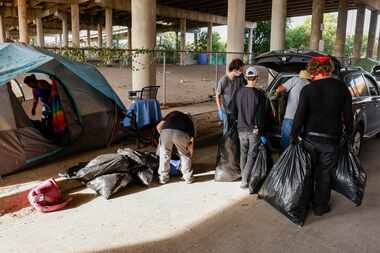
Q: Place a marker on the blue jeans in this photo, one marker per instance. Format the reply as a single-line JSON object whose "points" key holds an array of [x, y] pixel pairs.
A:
{"points": [[286, 129]]}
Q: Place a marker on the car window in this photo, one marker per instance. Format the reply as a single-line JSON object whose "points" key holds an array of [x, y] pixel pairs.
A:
{"points": [[376, 72], [371, 85], [351, 86], [360, 85], [280, 81]]}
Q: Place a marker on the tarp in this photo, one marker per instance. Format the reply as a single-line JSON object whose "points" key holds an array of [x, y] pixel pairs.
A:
{"points": [[89, 74], [17, 59]]}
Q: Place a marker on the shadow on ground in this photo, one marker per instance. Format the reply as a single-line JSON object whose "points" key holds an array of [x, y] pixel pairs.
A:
{"points": [[251, 225]]}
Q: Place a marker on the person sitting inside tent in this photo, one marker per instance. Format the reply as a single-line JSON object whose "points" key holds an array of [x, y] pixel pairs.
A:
{"points": [[41, 92]]}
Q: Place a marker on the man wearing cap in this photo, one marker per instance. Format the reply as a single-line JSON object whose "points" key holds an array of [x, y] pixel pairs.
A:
{"points": [[226, 89], [293, 86], [248, 107]]}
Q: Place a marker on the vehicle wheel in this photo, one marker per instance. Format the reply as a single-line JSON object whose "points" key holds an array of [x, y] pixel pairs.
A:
{"points": [[357, 142]]}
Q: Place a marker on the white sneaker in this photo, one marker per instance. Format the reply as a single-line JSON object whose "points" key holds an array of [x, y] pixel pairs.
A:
{"points": [[164, 180]]}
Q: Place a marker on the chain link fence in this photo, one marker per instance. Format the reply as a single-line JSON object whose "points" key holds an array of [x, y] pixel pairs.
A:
{"points": [[184, 77]]}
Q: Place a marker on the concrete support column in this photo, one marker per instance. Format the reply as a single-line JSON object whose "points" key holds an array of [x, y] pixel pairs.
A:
{"points": [[143, 37], [88, 37], [100, 36], [250, 46], [129, 37], [75, 27], [183, 41], [209, 41], [341, 29], [40, 33], [109, 26], [22, 21], [176, 44], [316, 24], [358, 40], [372, 34], [65, 31], [235, 30], [278, 24], [196, 39], [2, 30], [378, 49]]}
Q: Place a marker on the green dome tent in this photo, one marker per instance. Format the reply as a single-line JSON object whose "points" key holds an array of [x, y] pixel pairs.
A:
{"points": [[92, 109]]}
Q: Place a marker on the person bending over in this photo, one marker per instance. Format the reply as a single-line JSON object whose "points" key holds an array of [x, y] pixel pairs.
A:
{"points": [[293, 86], [176, 129]]}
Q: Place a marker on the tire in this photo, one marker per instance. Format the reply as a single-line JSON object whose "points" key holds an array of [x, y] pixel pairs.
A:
{"points": [[357, 142]]}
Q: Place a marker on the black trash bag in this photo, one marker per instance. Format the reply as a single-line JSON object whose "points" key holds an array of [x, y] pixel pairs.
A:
{"points": [[71, 172], [228, 157], [260, 169], [349, 178], [145, 176], [108, 185], [101, 165], [139, 160], [288, 186]]}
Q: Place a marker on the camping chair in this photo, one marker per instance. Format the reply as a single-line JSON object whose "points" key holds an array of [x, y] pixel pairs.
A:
{"points": [[148, 92], [141, 119]]}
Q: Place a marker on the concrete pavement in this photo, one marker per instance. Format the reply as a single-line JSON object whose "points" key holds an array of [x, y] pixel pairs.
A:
{"points": [[203, 217]]}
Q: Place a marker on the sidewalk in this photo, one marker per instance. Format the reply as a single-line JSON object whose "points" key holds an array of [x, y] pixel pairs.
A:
{"points": [[206, 216]]}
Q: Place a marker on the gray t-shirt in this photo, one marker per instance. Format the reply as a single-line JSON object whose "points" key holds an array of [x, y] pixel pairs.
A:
{"points": [[227, 88], [294, 86]]}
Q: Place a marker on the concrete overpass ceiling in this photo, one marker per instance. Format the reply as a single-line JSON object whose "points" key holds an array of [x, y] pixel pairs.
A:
{"points": [[256, 10], [91, 13]]}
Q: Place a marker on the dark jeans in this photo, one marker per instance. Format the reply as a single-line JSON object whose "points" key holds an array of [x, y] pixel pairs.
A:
{"points": [[248, 152], [324, 156]]}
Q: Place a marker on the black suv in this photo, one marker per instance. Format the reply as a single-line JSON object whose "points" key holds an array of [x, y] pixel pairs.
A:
{"points": [[282, 65]]}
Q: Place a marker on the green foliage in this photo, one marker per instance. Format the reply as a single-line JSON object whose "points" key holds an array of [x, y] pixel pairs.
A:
{"points": [[217, 44], [299, 36], [261, 38], [167, 41]]}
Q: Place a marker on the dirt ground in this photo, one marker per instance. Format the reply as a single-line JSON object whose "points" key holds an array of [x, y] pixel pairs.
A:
{"points": [[185, 84]]}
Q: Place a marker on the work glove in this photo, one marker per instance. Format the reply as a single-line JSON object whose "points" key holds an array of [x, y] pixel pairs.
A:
{"points": [[221, 114], [263, 140]]}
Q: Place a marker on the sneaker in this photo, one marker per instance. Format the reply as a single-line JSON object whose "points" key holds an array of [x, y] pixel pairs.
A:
{"points": [[189, 180], [243, 185], [164, 180]]}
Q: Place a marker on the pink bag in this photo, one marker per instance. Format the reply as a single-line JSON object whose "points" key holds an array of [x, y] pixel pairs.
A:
{"points": [[47, 197]]}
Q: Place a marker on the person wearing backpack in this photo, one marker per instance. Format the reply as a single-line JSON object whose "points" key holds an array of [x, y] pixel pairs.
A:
{"points": [[248, 107]]}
